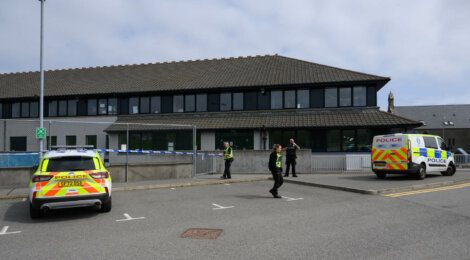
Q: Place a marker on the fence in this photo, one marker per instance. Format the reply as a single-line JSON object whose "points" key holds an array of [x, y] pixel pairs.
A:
{"points": [[17, 160], [462, 160], [341, 162]]}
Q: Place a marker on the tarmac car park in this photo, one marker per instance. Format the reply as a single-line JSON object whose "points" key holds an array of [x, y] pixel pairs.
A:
{"points": [[68, 178]]}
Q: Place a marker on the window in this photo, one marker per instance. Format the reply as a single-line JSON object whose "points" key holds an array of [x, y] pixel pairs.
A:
{"points": [[331, 97], [213, 102], [82, 107], [225, 101], [16, 109], [1, 110], [155, 104], [238, 101], [303, 98], [70, 140], [317, 98], [167, 104], [72, 107], [442, 143], [178, 104], [345, 97], [189, 103], [349, 140], [107, 142], [123, 108], [52, 108], [91, 107], [364, 140], [250, 100], [371, 96], [62, 108], [18, 143], [112, 106], [102, 106], [289, 99], [147, 143], [430, 142], [144, 105], [133, 105], [51, 141], [264, 100], [201, 102], [238, 139], [24, 109], [70, 163], [333, 141], [360, 96], [134, 141], [33, 109], [91, 140], [318, 140], [276, 99]]}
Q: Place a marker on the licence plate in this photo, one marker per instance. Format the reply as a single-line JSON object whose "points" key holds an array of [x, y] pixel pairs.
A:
{"points": [[70, 183], [380, 164]]}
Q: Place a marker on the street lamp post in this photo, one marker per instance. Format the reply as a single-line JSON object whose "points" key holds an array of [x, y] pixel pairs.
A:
{"points": [[41, 69]]}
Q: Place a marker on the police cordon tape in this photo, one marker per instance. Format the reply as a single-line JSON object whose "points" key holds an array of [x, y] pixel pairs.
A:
{"points": [[138, 151]]}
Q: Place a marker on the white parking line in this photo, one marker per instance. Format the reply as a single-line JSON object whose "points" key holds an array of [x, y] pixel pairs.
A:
{"points": [[221, 207], [128, 217], [291, 199], [5, 229]]}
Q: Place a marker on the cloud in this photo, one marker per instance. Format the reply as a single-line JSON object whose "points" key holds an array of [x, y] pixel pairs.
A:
{"points": [[422, 45]]}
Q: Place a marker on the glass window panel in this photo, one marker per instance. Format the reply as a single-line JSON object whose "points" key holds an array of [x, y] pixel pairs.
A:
{"points": [[371, 96], [264, 99], [1, 110], [345, 97], [238, 139], [70, 140], [91, 107], [167, 104], [303, 139], [303, 98], [62, 108], [275, 137], [319, 140], [102, 106], [52, 106], [16, 109], [276, 99], [201, 102], [213, 102], [189, 103], [349, 140], [18, 143], [238, 101], [225, 101], [317, 98], [147, 143], [331, 97], [250, 100], [289, 99], [144, 105], [364, 140], [360, 96], [135, 141], [123, 106], [91, 140], [133, 105], [24, 109], [333, 141], [155, 103], [112, 106], [178, 104], [72, 107], [82, 107]]}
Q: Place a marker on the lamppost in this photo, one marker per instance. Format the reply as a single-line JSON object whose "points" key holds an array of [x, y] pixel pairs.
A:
{"points": [[444, 124], [41, 69]]}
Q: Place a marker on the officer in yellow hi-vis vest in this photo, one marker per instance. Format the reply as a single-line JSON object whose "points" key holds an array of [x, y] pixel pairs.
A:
{"points": [[275, 166], [228, 158]]}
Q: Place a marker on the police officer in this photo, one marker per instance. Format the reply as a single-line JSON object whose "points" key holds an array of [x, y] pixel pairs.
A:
{"points": [[291, 157], [228, 158], [275, 166]]}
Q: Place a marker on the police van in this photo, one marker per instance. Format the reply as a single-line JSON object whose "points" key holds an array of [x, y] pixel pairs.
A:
{"points": [[413, 154]]}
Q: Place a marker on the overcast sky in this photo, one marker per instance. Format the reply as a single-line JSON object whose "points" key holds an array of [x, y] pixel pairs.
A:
{"points": [[424, 46]]}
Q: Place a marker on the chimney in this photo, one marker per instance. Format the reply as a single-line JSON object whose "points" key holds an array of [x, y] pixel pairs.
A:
{"points": [[391, 103]]}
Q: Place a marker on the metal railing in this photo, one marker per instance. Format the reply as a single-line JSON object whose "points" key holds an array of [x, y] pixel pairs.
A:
{"points": [[341, 162], [462, 160]]}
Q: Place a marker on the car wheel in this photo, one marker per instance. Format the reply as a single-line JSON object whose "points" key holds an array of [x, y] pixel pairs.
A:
{"points": [[106, 207], [450, 170], [381, 175], [421, 174], [34, 213]]}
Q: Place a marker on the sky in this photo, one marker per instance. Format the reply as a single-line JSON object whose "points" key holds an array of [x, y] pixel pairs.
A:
{"points": [[422, 45]]}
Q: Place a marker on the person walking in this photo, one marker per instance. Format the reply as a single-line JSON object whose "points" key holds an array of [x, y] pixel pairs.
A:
{"points": [[228, 158], [291, 157], [275, 166]]}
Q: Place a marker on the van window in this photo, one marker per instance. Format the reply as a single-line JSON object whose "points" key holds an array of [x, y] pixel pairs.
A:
{"points": [[70, 163], [442, 144], [430, 142]]}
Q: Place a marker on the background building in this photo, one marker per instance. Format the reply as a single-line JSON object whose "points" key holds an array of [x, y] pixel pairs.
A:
{"points": [[253, 102]]}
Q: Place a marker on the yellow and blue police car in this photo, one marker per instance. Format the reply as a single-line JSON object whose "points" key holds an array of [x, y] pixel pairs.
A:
{"points": [[415, 154], [68, 178]]}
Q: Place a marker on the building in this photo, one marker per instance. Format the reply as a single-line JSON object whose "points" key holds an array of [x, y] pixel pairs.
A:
{"points": [[452, 122], [252, 102]]}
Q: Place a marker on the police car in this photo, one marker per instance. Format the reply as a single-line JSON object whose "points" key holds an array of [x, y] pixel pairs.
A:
{"points": [[68, 178], [414, 154]]}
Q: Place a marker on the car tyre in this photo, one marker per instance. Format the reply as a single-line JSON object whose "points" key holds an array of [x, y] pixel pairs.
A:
{"points": [[34, 213], [106, 207], [421, 173], [381, 175], [450, 170]]}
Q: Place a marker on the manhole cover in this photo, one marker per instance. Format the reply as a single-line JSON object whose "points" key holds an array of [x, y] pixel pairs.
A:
{"points": [[202, 233]]}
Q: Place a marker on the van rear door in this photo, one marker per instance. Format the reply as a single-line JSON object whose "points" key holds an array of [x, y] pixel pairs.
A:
{"points": [[389, 152]]}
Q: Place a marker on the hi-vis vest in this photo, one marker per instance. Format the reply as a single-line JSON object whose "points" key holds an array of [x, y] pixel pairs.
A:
{"points": [[228, 153], [279, 160]]}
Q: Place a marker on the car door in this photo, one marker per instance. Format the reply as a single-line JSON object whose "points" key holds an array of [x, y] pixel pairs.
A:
{"points": [[445, 151], [433, 160]]}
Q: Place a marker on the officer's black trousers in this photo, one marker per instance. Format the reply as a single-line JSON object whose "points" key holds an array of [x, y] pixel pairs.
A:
{"points": [[227, 174], [289, 162], [278, 180]]}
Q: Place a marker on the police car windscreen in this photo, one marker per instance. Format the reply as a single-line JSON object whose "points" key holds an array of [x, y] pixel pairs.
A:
{"points": [[389, 142], [70, 163]]}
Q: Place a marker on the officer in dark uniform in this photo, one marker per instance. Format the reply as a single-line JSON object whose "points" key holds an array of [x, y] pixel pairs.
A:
{"points": [[291, 157], [275, 166], [228, 158]]}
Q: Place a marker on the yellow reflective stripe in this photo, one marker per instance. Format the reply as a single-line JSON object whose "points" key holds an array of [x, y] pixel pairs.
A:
{"points": [[444, 155], [97, 164], [44, 165], [430, 153]]}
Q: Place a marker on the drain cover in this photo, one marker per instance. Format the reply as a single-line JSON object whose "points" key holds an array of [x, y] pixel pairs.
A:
{"points": [[202, 233]]}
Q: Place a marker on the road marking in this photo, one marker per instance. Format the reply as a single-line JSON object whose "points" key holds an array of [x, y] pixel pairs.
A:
{"points": [[128, 217], [228, 184], [459, 186], [5, 229], [291, 199], [221, 207], [24, 199], [172, 188]]}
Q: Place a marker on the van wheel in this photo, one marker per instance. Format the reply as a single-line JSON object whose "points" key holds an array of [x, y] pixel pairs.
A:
{"points": [[450, 170], [381, 175], [34, 213], [421, 174], [106, 207]]}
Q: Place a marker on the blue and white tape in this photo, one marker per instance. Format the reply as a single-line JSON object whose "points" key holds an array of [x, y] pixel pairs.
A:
{"points": [[138, 151]]}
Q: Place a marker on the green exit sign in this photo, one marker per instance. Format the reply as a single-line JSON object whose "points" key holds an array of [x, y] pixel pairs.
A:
{"points": [[40, 133]]}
